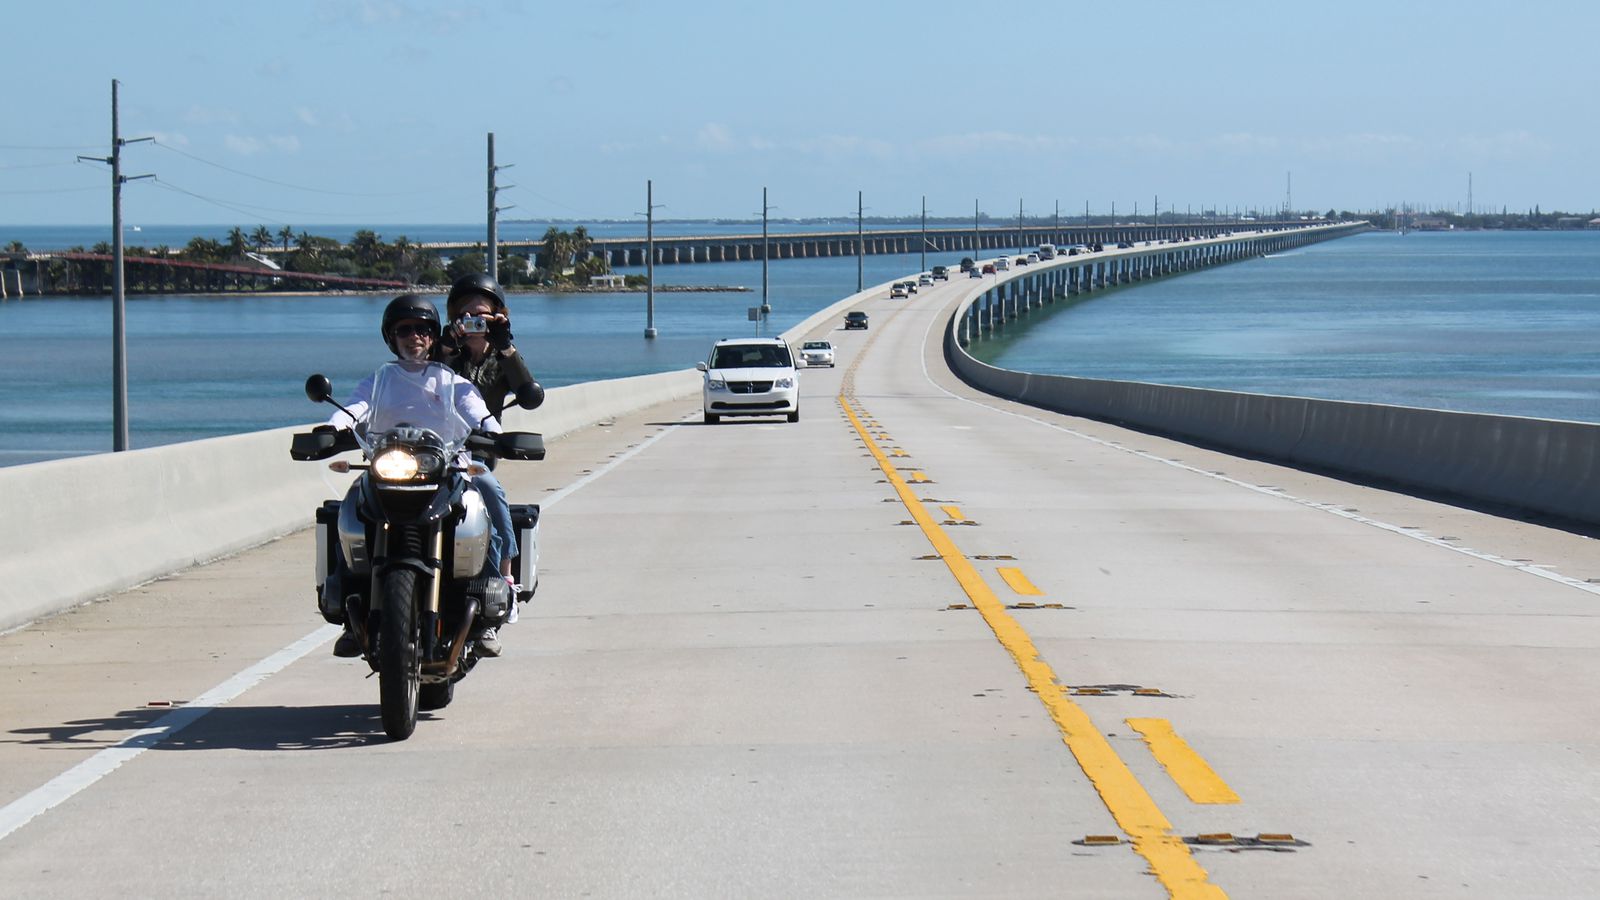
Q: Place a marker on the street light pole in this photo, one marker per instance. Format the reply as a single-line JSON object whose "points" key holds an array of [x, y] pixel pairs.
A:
{"points": [[924, 232]]}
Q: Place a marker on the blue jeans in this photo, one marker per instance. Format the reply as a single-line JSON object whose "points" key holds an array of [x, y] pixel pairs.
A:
{"points": [[502, 533]]}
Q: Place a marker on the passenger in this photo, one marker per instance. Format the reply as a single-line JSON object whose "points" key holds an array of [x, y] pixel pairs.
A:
{"points": [[411, 331], [483, 354]]}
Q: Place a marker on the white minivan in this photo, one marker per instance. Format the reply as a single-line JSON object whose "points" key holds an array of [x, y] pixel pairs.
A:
{"points": [[750, 377]]}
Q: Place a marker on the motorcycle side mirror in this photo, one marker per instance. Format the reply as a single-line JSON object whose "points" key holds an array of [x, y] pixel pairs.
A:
{"points": [[319, 389]]}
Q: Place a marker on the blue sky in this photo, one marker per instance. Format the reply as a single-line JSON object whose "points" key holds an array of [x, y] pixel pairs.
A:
{"points": [[375, 111]]}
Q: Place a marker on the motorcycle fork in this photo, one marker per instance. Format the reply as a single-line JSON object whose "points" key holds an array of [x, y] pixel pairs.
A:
{"points": [[430, 605]]}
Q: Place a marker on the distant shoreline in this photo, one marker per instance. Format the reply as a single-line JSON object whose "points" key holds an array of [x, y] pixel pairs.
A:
{"points": [[425, 290]]}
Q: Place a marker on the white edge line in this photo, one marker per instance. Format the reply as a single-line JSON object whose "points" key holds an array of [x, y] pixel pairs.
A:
{"points": [[1412, 533], [63, 787]]}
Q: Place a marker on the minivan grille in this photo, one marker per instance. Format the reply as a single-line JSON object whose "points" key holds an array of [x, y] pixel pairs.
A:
{"points": [[749, 387]]}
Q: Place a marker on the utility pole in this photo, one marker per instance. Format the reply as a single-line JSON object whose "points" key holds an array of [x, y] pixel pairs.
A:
{"points": [[975, 245], [924, 232], [1019, 226], [119, 311], [1288, 193], [492, 264], [861, 247], [649, 260], [1056, 224], [1155, 217], [1469, 193], [766, 251]]}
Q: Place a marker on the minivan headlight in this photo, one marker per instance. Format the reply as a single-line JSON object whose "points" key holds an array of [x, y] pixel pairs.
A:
{"points": [[786, 381], [713, 385]]}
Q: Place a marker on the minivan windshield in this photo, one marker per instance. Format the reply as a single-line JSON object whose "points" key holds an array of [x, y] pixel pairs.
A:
{"points": [[750, 356]]}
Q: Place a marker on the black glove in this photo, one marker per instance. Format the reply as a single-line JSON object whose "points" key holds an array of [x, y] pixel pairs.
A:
{"points": [[499, 334]]}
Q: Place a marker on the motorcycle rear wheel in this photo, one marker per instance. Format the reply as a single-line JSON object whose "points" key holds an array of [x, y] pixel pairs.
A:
{"points": [[399, 667]]}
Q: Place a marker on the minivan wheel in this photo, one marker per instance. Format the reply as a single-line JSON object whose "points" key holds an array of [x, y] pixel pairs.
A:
{"points": [[794, 416], [712, 418]]}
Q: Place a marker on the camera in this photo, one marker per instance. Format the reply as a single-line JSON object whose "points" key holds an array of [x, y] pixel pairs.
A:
{"points": [[474, 325]]}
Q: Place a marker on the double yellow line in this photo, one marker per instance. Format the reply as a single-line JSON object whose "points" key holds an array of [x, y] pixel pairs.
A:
{"points": [[1135, 812]]}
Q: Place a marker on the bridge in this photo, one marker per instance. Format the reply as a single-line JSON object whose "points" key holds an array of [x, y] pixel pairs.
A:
{"points": [[634, 251], [930, 639], [24, 274]]}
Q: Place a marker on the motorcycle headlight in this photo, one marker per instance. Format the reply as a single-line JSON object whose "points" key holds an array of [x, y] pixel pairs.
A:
{"points": [[784, 382], [395, 465]]}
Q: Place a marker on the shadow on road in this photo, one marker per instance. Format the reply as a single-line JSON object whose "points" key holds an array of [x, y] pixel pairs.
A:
{"points": [[223, 728]]}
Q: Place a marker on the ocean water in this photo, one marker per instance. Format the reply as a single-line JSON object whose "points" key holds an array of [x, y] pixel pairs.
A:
{"points": [[1498, 322], [1506, 323], [202, 366]]}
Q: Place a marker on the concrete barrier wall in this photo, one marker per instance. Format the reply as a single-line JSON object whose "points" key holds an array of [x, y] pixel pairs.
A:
{"points": [[75, 529], [1539, 465]]}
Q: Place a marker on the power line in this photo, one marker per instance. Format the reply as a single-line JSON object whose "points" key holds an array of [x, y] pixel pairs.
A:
{"points": [[286, 184], [53, 190], [31, 147], [257, 211]]}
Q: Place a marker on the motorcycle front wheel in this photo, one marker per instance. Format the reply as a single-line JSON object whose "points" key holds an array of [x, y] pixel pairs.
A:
{"points": [[399, 667]]}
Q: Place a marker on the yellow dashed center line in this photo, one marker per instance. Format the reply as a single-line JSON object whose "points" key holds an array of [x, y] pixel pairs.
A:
{"points": [[1018, 581], [1126, 799], [952, 512], [1187, 768]]}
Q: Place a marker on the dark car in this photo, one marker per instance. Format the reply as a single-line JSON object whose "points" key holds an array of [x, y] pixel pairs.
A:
{"points": [[855, 319], [1021, 260], [974, 273], [966, 263], [940, 273]]}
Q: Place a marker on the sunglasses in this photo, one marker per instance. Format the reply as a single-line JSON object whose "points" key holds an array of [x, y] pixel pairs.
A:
{"points": [[406, 329]]}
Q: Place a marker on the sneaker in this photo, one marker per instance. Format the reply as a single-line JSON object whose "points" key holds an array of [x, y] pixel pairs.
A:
{"points": [[488, 643], [347, 647], [511, 615]]}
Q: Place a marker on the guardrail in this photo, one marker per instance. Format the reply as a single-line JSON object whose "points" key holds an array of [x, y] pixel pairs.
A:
{"points": [[1538, 465]]}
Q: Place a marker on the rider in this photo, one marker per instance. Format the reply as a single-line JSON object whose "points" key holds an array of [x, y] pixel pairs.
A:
{"points": [[482, 353], [411, 330]]}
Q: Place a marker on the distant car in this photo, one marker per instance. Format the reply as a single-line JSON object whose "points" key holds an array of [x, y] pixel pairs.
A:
{"points": [[855, 319], [1125, 245], [974, 273], [1002, 264], [924, 278], [1033, 258], [1023, 260], [967, 263], [940, 273], [817, 353], [988, 268], [1073, 251], [750, 377], [911, 287], [898, 291]]}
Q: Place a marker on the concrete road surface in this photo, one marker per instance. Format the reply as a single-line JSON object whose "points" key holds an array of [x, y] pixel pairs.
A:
{"points": [[922, 643]]}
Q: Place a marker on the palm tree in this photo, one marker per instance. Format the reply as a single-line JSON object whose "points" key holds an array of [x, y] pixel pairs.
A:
{"points": [[365, 248], [237, 243], [285, 234], [261, 237]]}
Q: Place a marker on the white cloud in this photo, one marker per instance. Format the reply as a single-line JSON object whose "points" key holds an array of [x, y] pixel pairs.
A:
{"points": [[306, 116], [206, 115], [285, 143], [244, 146]]}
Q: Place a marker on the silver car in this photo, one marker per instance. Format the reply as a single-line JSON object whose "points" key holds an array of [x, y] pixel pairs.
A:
{"points": [[817, 353]]}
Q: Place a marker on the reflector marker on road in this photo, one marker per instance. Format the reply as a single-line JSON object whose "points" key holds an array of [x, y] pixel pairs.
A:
{"points": [[1186, 767]]}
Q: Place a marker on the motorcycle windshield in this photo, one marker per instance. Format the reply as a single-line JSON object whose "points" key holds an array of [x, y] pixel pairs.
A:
{"points": [[420, 395]]}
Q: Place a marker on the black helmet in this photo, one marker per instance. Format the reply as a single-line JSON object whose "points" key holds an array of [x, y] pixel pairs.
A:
{"points": [[470, 286], [408, 306]]}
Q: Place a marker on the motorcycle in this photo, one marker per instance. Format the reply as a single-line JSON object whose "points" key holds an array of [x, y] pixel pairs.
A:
{"points": [[401, 559]]}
